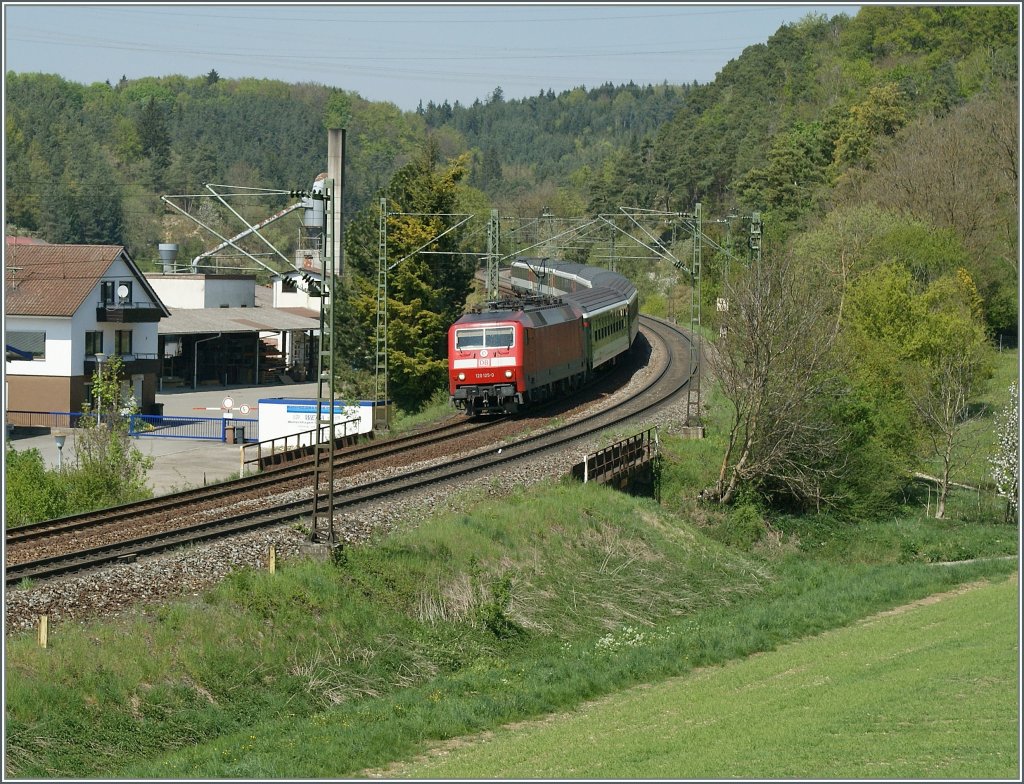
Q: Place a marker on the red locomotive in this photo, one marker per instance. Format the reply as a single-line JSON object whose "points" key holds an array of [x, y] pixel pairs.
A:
{"points": [[572, 320]]}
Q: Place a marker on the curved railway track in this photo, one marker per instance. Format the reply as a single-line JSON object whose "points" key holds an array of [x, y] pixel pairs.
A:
{"points": [[659, 391]]}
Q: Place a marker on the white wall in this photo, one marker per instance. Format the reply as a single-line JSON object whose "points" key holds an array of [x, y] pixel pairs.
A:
{"points": [[204, 291], [118, 271], [296, 299], [65, 337], [59, 359]]}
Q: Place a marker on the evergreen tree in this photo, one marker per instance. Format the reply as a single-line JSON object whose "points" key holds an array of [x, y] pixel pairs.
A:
{"points": [[153, 134]]}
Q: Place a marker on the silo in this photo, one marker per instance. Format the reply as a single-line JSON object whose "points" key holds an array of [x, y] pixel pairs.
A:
{"points": [[168, 253], [307, 254], [313, 209]]}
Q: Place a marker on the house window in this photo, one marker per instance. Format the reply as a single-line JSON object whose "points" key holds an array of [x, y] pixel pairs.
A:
{"points": [[108, 292], [123, 342], [288, 286], [124, 291], [26, 345], [93, 343]]}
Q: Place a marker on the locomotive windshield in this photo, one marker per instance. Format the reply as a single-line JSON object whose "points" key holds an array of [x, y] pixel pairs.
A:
{"points": [[498, 337], [466, 339], [487, 337]]}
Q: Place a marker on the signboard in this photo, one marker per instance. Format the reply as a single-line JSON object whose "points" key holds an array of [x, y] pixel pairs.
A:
{"points": [[281, 417]]}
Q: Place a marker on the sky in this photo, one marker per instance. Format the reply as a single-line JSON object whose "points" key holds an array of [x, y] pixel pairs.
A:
{"points": [[404, 53]]}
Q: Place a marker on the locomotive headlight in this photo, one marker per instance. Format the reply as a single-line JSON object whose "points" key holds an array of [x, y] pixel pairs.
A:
{"points": [[508, 374], [462, 376]]}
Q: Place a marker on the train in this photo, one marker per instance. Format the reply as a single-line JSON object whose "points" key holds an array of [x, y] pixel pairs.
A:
{"points": [[565, 322]]}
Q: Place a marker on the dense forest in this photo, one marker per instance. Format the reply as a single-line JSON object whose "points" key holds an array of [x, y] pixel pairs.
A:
{"points": [[890, 136]]}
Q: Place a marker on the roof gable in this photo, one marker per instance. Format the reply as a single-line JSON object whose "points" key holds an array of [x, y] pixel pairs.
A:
{"points": [[54, 280]]}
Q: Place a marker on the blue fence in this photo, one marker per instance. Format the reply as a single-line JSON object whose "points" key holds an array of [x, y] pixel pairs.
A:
{"points": [[209, 428], [231, 431]]}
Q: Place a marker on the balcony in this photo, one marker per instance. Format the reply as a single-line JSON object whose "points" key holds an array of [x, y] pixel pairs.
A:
{"points": [[133, 364], [127, 312]]}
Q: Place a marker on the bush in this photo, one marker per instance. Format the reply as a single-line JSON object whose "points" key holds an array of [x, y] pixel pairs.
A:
{"points": [[31, 492], [743, 526]]}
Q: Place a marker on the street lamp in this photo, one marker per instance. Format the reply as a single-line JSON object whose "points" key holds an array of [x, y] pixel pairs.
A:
{"points": [[99, 378], [60, 451]]}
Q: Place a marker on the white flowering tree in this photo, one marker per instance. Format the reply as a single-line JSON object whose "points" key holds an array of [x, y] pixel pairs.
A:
{"points": [[1006, 460]]}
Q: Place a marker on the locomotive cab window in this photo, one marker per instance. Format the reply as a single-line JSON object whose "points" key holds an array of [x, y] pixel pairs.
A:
{"points": [[498, 337], [467, 339]]}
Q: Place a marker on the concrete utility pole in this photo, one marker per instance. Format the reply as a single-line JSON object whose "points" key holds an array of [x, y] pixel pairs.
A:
{"points": [[335, 166], [322, 536]]}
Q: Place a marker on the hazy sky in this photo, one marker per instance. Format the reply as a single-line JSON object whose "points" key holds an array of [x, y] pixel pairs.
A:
{"points": [[398, 52]]}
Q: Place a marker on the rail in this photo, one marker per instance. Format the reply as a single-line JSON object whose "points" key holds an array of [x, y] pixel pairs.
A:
{"points": [[282, 450], [664, 386], [619, 458]]}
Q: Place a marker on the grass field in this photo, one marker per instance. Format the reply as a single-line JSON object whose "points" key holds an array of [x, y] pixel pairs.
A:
{"points": [[515, 609], [927, 692]]}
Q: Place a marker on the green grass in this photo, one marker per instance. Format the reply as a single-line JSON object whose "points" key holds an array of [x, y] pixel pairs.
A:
{"points": [[496, 690], [929, 693], [911, 538], [438, 407], [316, 672], [509, 610]]}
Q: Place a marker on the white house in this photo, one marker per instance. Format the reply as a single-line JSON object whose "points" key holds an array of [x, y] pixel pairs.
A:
{"points": [[67, 308]]}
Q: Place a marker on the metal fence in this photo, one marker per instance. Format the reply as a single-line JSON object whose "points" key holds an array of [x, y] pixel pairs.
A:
{"points": [[231, 431], [612, 461], [207, 428]]}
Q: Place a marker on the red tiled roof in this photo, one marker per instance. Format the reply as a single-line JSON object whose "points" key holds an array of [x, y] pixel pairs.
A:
{"points": [[53, 280]]}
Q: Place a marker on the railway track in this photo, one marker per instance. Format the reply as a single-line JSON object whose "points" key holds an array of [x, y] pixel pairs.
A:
{"points": [[664, 386], [278, 480]]}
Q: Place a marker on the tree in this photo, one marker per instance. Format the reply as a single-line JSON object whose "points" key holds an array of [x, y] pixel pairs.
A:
{"points": [[107, 469], [338, 112], [154, 136], [953, 362], [111, 469], [881, 318], [1005, 461], [787, 186], [776, 365], [881, 113], [959, 173], [429, 275]]}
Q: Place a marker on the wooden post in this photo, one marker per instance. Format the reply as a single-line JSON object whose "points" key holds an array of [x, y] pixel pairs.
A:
{"points": [[272, 559], [43, 630]]}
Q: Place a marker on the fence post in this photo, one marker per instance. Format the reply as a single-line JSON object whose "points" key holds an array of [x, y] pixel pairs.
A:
{"points": [[44, 623], [272, 559]]}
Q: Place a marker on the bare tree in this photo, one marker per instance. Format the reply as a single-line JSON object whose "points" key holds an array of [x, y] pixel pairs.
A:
{"points": [[776, 365], [941, 392]]}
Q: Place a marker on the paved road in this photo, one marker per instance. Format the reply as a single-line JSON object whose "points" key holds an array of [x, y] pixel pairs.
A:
{"points": [[181, 463]]}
